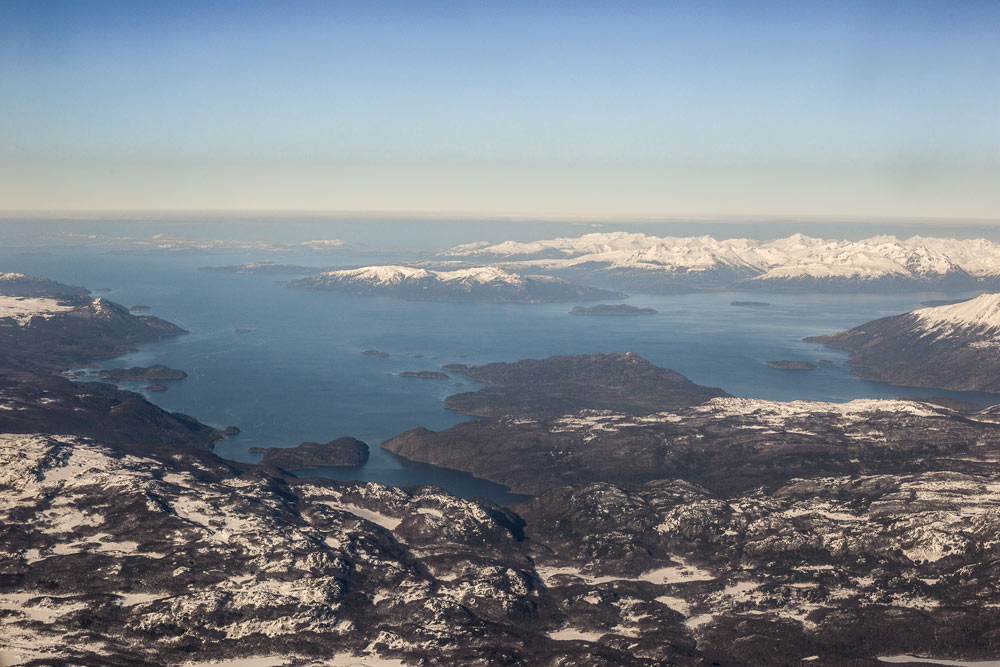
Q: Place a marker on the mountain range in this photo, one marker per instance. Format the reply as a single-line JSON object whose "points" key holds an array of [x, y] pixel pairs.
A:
{"points": [[799, 262]]}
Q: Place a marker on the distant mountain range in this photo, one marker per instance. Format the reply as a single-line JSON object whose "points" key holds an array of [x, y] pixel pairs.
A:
{"points": [[484, 283], [798, 262], [954, 346]]}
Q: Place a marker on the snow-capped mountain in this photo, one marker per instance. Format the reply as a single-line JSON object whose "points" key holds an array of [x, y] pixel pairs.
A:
{"points": [[484, 283], [955, 346], [797, 261]]}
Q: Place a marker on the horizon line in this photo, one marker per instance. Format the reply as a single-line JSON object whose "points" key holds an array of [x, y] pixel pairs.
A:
{"points": [[452, 216]]}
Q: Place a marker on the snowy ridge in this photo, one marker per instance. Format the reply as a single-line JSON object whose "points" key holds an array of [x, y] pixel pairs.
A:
{"points": [[21, 310], [793, 258], [394, 274], [981, 314], [477, 283]]}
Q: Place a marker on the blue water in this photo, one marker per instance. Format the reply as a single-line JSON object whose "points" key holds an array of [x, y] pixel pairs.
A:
{"points": [[299, 375]]}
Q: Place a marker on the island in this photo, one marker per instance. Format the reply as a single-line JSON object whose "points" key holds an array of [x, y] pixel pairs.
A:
{"points": [[553, 386], [792, 365], [342, 452], [750, 304], [265, 267], [427, 375], [375, 353], [156, 387], [142, 374], [477, 284], [612, 309], [454, 367]]}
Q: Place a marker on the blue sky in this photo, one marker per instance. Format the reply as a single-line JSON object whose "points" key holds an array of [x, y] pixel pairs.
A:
{"points": [[591, 109]]}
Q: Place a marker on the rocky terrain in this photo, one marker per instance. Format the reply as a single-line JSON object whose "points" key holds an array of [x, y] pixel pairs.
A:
{"points": [[955, 346], [21, 285], [642, 262], [557, 385], [725, 444], [344, 451], [474, 284], [59, 332], [671, 525], [612, 309]]}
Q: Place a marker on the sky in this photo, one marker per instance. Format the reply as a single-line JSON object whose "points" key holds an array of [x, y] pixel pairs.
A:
{"points": [[602, 110]]}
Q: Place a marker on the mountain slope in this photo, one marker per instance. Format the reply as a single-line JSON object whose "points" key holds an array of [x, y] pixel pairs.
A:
{"points": [[955, 346]]}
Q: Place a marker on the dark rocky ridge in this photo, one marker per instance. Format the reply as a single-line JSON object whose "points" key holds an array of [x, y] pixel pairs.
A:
{"points": [[557, 385], [340, 452], [908, 351], [19, 284], [93, 329], [728, 445]]}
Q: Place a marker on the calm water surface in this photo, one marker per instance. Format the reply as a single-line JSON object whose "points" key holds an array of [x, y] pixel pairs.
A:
{"points": [[298, 374]]}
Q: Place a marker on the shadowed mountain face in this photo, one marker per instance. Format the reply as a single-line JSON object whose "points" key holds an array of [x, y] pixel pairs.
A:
{"points": [[954, 346], [728, 445], [81, 329], [557, 385]]}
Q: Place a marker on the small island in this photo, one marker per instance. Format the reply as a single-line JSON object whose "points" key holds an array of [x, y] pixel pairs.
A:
{"points": [[142, 373], [156, 387], [792, 365], [375, 353], [342, 452], [242, 330], [750, 304], [454, 367], [427, 375], [612, 309]]}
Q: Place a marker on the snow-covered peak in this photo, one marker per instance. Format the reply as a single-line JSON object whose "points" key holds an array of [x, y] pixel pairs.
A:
{"points": [[979, 314], [397, 274], [480, 274], [382, 275]]}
